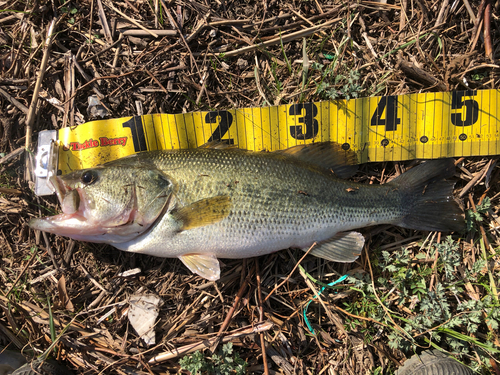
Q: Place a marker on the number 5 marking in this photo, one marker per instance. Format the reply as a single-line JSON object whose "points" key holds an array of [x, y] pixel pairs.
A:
{"points": [[471, 108]]}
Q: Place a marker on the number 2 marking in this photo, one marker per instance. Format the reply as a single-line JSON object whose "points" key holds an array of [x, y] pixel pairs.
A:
{"points": [[226, 119]]}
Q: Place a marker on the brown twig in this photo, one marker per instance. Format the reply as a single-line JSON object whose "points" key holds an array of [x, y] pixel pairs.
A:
{"points": [[97, 79], [172, 21], [477, 178], [28, 263], [14, 154], [442, 11], [420, 75], [237, 300], [477, 24], [476, 38], [229, 336], [150, 32], [291, 273], [10, 191], [261, 317], [285, 39], [488, 47], [402, 15], [34, 100], [18, 104], [120, 37], [104, 22], [434, 265]]}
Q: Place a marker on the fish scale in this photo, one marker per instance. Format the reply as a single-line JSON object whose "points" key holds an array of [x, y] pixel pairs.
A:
{"points": [[277, 202], [208, 203]]}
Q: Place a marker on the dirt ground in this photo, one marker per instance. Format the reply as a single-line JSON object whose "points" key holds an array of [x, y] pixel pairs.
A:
{"points": [[68, 300]]}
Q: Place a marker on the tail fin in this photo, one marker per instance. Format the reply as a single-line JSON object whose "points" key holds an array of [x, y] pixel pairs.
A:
{"points": [[429, 198]]}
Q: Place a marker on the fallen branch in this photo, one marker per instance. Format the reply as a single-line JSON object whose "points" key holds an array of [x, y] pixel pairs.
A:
{"points": [[183, 350], [421, 75]]}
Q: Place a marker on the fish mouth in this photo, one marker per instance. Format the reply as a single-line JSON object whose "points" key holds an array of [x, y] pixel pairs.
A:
{"points": [[76, 219], [72, 221], [69, 198]]}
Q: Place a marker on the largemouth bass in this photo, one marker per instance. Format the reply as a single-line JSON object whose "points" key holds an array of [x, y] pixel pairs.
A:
{"points": [[208, 203]]}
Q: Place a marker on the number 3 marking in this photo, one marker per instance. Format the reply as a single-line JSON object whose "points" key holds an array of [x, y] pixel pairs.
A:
{"points": [[311, 124]]}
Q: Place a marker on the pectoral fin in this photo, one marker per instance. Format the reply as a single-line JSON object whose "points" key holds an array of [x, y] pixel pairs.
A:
{"points": [[203, 212], [205, 265], [343, 247]]}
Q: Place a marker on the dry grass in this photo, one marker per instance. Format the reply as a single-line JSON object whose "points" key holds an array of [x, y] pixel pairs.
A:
{"points": [[212, 65]]}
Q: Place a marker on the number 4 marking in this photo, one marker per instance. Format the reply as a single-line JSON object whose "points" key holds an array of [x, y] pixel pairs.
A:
{"points": [[391, 120]]}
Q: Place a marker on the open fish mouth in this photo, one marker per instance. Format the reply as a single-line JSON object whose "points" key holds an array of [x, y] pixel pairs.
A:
{"points": [[68, 198], [81, 218], [72, 221]]}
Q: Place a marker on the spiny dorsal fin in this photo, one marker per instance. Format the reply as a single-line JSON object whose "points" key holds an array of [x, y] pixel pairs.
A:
{"points": [[219, 145], [343, 247], [326, 155], [203, 212]]}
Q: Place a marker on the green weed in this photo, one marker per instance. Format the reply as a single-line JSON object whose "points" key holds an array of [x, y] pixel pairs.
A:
{"points": [[343, 86], [288, 64], [226, 362], [472, 217], [444, 316], [71, 11]]}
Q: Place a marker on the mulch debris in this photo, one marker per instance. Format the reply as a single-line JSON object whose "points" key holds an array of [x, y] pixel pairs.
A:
{"points": [[146, 57]]}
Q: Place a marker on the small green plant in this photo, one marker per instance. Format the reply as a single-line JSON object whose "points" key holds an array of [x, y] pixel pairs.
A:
{"points": [[477, 76], [224, 363], [444, 315], [195, 363], [472, 217], [450, 257], [277, 82], [71, 10], [288, 64], [348, 82]]}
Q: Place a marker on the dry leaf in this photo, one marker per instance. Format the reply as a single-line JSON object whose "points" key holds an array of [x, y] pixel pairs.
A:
{"points": [[63, 295]]}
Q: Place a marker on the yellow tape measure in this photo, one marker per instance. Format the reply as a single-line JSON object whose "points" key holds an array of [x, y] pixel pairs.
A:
{"points": [[387, 128]]}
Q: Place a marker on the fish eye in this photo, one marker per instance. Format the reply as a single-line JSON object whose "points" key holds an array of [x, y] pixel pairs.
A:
{"points": [[89, 177]]}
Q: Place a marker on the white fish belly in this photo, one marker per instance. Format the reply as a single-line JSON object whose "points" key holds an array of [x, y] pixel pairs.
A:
{"points": [[234, 241]]}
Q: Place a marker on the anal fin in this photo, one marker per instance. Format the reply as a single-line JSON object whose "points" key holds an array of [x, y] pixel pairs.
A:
{"points": [[343, 247], [205, 265]]}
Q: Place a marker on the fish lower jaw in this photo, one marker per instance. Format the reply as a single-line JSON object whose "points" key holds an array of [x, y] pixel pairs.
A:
{"points": [[66, 225]]}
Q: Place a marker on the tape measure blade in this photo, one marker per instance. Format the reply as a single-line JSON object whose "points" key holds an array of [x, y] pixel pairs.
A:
{"points": [[385, 128]]}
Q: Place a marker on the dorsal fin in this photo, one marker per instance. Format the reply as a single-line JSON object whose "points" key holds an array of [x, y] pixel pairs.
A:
{"points": [[326, 155], [222, 144]]}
